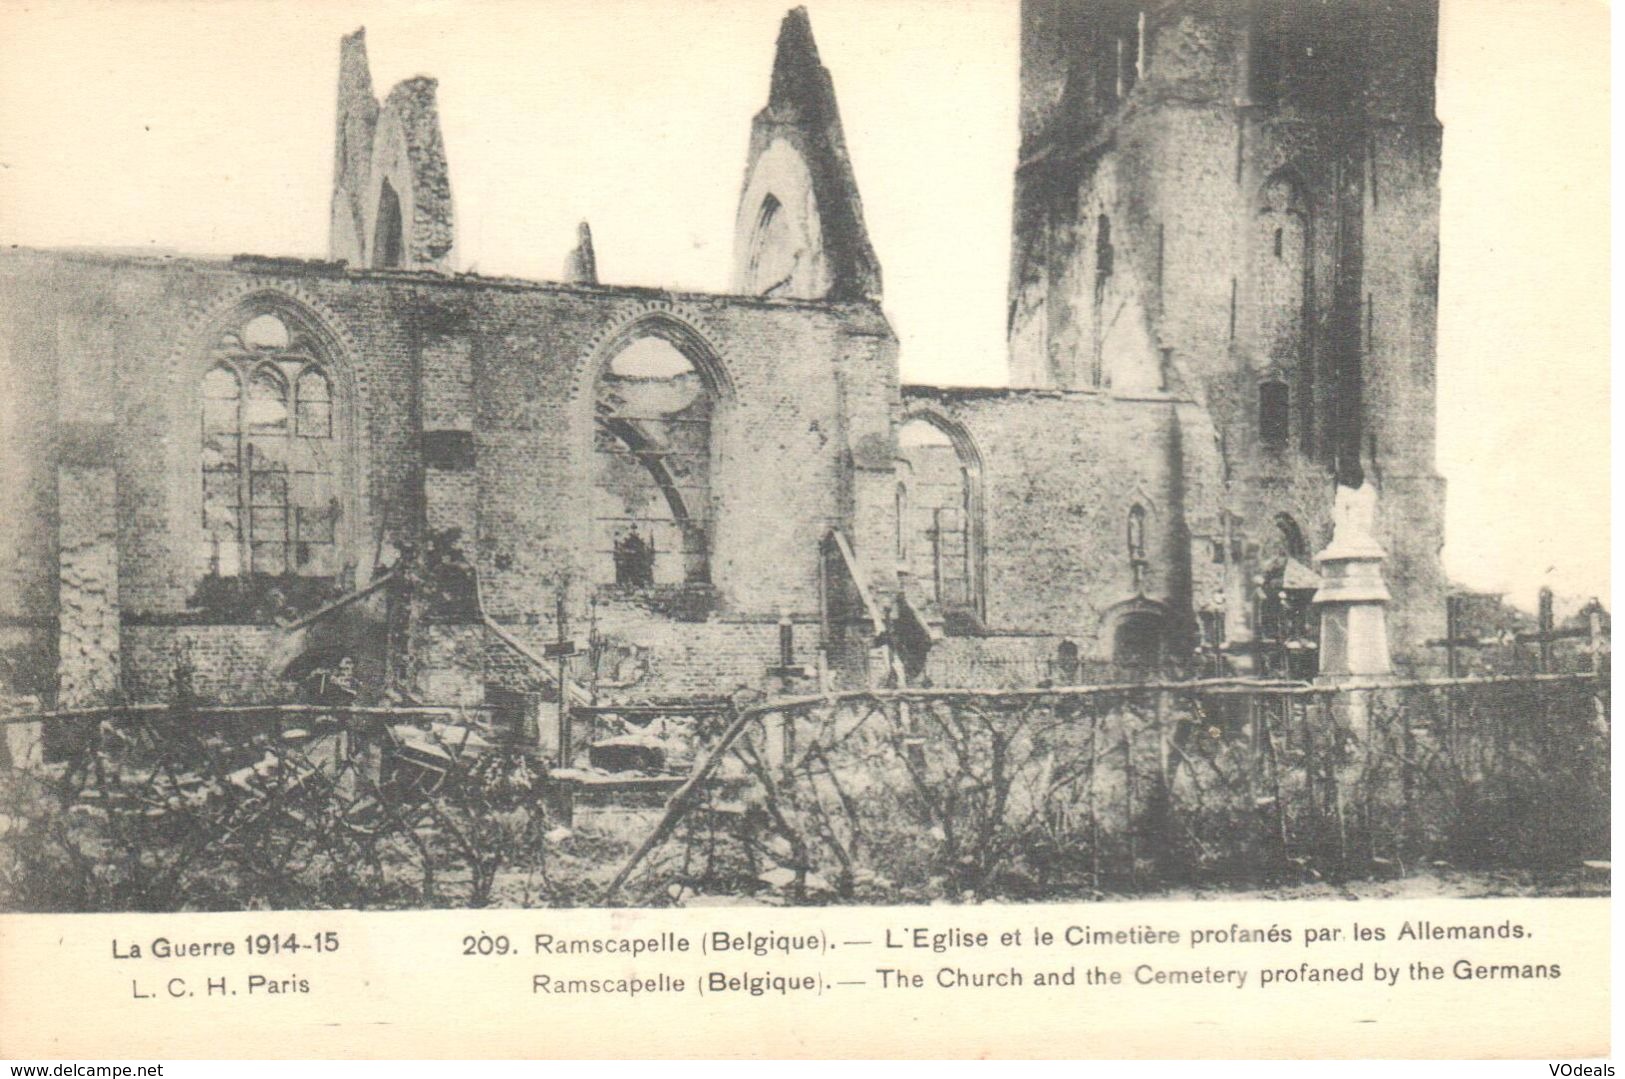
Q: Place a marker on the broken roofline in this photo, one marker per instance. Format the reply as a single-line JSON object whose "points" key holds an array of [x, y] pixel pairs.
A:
{"points": [[292, 266], [932, 391]]}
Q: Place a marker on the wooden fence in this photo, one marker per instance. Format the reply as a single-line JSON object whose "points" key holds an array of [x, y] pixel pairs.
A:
{"points": [[880, 796], [1071, 792]]}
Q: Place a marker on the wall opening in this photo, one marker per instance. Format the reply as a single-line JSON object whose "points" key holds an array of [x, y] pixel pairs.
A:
{"points": [[1068, 661], [653, 463], [388, 240], [1137, 642], [1281, 288], [1306, 53], [1288, 629], [269, 456], [941, 525], [1274, 413], [1128, 46], [1293, 545], [902, 524]]}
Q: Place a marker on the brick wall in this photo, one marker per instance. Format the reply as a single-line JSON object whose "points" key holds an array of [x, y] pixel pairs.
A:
{"points": [[1061, 473], [232, 664], [804, 390]]}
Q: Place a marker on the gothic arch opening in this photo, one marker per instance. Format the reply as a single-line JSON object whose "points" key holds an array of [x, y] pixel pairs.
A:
{"points": [[652, 444], [1287, 627], [272, 454], [1137, 642], [941, 545], [1136, 636], [388, 238], [773, 253]]}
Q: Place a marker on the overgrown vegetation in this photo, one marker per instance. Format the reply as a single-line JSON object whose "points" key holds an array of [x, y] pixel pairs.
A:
{"points": [[1029, 795], [883, 797]]}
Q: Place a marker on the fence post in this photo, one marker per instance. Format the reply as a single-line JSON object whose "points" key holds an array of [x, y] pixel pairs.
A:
{"points": [[1162, 819], [1128, 803], [1597, 648], [1089, 797]]}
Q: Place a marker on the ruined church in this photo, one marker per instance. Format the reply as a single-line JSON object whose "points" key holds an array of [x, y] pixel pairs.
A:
{"points": [[219, 475]]}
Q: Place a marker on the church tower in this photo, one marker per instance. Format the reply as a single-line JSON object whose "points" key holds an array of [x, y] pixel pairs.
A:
{"points": [[1234, 203]]}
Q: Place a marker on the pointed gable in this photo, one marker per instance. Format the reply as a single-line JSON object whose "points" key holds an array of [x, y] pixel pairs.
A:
{"points": [[800, 230], [391, 206]]}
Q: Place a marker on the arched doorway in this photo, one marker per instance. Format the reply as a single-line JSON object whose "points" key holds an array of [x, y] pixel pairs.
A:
{"points": [[1137, 633]]}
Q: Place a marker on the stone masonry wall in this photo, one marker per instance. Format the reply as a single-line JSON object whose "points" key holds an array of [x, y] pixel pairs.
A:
{"points": [[1179, 168], [1062, 471], [88, 652], [511, 364]]}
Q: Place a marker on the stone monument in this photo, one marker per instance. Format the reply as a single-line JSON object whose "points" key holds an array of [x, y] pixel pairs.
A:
{"points": [[1352, 596]]}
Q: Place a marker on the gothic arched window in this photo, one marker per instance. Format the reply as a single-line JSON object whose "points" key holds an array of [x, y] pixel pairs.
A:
{"points": [[940, 519], [269, 459], [653, 448]]}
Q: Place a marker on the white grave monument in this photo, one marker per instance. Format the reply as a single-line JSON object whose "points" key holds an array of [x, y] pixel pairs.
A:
{"points": [[1352, 596]]}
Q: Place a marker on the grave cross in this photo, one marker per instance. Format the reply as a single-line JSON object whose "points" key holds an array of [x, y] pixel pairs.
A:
{"points": [[1454, 638], [563, 649], [1548, 633], [787, 671]]}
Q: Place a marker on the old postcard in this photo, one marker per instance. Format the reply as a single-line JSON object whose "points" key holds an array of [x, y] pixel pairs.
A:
{"points": [[1008, 527]]}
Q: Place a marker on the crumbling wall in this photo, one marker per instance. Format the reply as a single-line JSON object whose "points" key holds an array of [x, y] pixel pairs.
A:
{"points": [[357, 118], [28, 499], [1226, 104], [812, 232], [88, 596], [469, 407], [398, 149], [1061, 473], [410, 156]]}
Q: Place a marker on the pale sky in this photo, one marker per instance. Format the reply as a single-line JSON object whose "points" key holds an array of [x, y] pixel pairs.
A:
{"points": [[207, 127]]}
